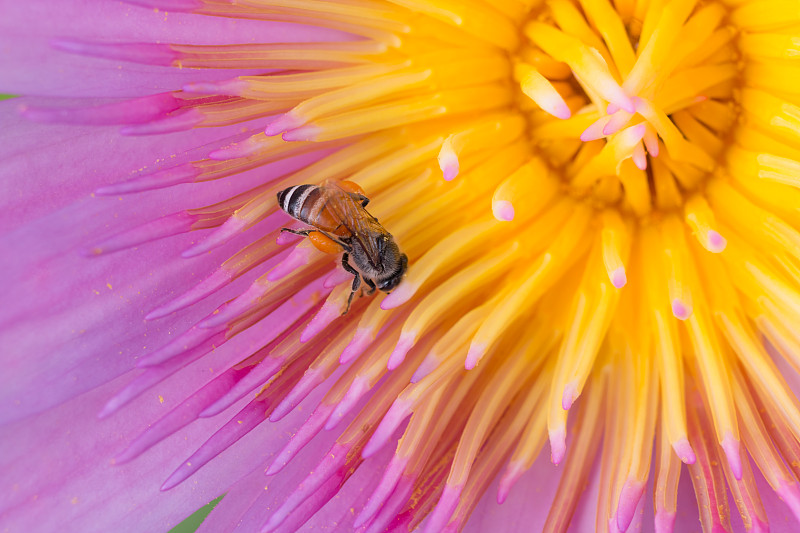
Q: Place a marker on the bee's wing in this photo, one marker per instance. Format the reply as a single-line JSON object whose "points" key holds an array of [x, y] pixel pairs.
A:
{"points": [[360, 223]]}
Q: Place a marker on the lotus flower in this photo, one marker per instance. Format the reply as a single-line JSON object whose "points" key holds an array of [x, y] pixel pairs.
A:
{"points": [[598, 202]]}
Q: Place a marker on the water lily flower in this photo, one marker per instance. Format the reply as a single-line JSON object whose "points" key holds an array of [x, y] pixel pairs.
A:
{"points": [[598, 328]]}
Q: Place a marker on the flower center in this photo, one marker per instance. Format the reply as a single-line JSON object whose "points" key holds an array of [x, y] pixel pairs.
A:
{"points": [[643, 113]]}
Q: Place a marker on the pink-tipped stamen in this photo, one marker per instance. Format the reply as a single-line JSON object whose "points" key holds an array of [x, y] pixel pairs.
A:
{"points": [[181, 120], [146, 53], [283, 123], [650, 140], [361, 340], [639, 156], [731, 448], [441, 514], [330, 467], [618, 277], [474, 355], [404, 344], [503, 210], [398, 412], [246, 420], [310, 380], [632, 492], [558, 445], [382, 492], [616, 122], [302, 436], [309, 132], [159, 179], [684, 451], [595, 130], [232, 87], [166, 226], [428, 365], [509, 478], [180, 416], [168, 5], [299, 257], [131, 111], [230, 229], [664, 521], [330, 311], [716, 242], [789, 492], [570, 395], [193, 337], [448, 163], [399, 296], [357, 390], [338, 276], [680, 310]]}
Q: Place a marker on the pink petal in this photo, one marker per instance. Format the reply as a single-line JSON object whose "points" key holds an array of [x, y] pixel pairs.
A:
{"points": [[30, 66], [93, 309], [68, 469]]}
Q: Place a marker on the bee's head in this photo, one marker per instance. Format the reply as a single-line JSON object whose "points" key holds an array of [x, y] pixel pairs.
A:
{"points": [[393, 281]]}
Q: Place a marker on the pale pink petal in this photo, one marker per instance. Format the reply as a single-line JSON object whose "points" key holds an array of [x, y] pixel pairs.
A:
{"points": [[30, 65], [59, 477], [93, 309]]}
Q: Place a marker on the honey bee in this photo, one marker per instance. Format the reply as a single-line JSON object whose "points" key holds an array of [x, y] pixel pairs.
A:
{"points": [[340, 222]]}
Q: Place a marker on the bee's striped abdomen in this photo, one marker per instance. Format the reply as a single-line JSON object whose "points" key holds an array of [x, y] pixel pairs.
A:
{"points": [[298, 200]]}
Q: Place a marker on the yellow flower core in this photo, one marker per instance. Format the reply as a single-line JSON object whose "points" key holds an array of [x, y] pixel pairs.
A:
{"points": [[599, 204]]}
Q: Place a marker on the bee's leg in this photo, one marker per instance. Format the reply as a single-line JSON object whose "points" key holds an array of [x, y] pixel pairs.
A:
{"points": [[356, 280], [346, 246], [303, 232], [371, 285], [363, 199]]}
